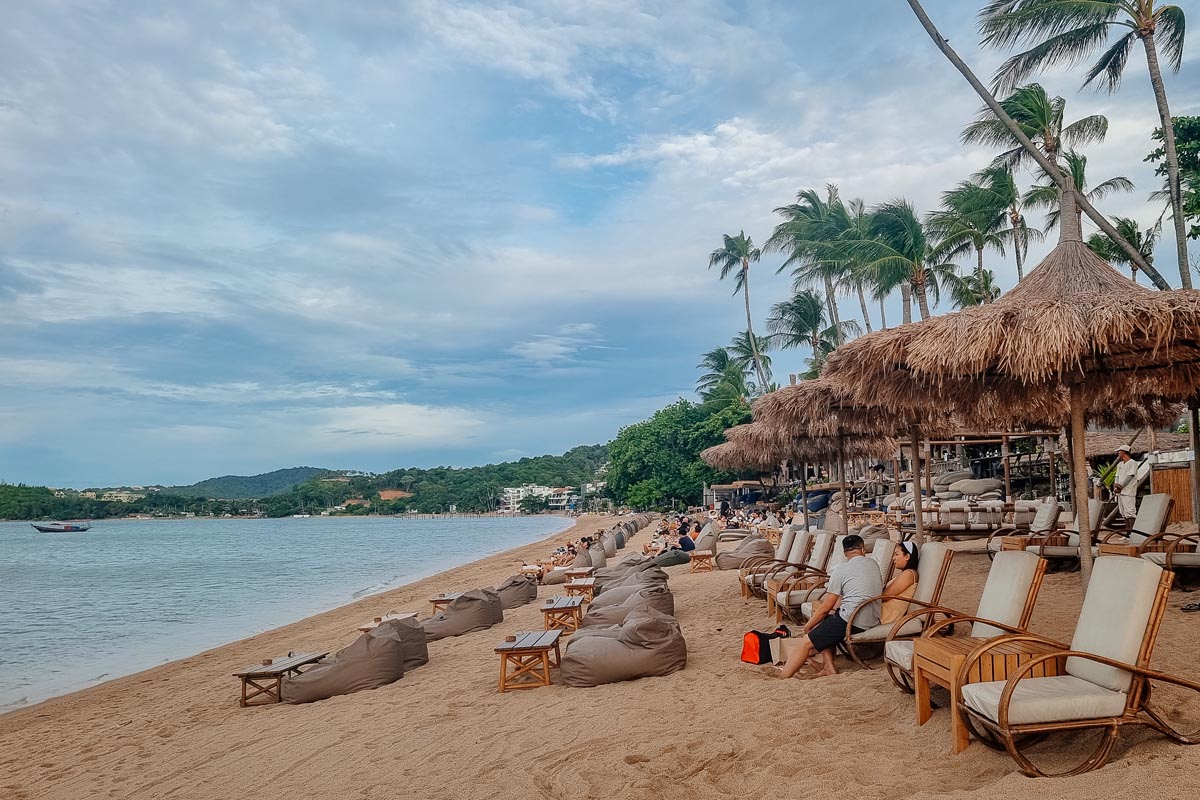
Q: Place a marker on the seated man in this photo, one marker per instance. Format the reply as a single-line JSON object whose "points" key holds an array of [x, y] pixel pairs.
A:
{"points": [[686, 543], [850, 583]]}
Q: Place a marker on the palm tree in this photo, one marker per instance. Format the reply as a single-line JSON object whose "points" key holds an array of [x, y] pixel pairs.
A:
{"points": [[714, 363], [972, 219], [801, 322], [803, 235], [974, 289], [736, 255], [746, 350], [900, 254], [857, 227], [1046, 195], [1065, 33], [1041, 118], [1144, 241], [731, 387], [1000, 182]]}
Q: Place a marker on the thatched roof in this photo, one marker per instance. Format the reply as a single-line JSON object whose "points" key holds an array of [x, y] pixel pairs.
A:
{"points": [[781, 444], [818, 408], [1101, 444], [734, 456], [1073, 319]]}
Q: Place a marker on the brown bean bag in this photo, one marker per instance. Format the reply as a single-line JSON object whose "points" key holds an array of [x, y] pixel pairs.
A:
{"points": [[749, 547], [596, 552], [582, 559], [517, 591], [375, 659], [610, 545], [656, 596], [472, 611], [556, 576], [648, 644], [651, 574], [672, 558], [707, 540]]}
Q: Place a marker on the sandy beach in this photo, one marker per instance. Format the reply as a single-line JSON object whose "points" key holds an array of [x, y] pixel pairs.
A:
{"points": [[717, 729]]}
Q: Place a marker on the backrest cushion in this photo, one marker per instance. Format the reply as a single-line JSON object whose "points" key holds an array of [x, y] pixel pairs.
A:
{"points": [[881, 554], [836, 556], [932, 555], [785, 544], [822, 547], [1151, 514], [1006, 590], [1112, 623], [798, 546], [1044, 519]]}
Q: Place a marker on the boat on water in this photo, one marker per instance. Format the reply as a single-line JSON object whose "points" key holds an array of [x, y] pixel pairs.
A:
{"points": [[301, 516], [62, 527]]}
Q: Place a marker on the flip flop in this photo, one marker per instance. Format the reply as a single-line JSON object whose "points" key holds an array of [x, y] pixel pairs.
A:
{"points": [[1191, 607]]}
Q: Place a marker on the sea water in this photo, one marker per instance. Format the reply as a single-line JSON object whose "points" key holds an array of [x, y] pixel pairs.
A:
{"points": [[80, 608]]}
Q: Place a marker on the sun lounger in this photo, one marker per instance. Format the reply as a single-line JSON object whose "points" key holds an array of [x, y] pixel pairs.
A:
{"points": [[793, 545], [1108, 681], [798, 593], [1043, 523], [808, 551], [1007, 602]]}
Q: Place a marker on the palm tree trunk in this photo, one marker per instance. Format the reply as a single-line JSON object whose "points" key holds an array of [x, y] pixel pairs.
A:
{"points": [[1168, 129], [758, 368], [1046, 164], [906, 302], [979, 267], [862, 303], [882, 315], [1019, 243], [922, 300], [834, 319]]}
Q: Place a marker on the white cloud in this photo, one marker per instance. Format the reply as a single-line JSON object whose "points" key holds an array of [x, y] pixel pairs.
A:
{"points": [[395, 424], [562, 346]]}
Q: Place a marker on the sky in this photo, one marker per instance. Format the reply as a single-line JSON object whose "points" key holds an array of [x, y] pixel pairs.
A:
{"points": [[241, 236]]}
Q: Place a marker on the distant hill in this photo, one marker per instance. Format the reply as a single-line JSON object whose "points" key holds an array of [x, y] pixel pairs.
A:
{"points": [[239, 487]]}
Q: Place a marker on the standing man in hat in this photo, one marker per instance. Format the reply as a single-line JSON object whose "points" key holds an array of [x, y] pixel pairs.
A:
{"points": [[1125, 484]]}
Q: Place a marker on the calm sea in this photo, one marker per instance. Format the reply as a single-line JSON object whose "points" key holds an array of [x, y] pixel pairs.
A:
{"points": [[78, 609]]}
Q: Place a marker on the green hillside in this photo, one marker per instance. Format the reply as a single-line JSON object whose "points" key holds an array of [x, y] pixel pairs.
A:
{"points": [[240, 487]]}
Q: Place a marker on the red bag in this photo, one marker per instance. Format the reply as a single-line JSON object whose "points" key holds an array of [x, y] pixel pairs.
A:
{"points": [[756, 645]]}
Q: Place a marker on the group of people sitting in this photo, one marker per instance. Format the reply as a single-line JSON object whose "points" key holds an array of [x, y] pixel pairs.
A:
{"points": [[746, 518], [564, 555], [852, 584]]}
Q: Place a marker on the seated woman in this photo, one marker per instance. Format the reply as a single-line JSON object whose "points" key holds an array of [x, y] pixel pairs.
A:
{"points": [[903, 583]]}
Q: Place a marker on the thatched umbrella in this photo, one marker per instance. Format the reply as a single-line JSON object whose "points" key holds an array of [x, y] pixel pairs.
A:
{"points": [[1074, 331], [821, 408]]}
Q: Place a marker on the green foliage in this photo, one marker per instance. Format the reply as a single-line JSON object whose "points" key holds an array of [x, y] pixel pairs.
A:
{"points": [[1187, 147], [658, 460], [240, 486], [533, 504]]}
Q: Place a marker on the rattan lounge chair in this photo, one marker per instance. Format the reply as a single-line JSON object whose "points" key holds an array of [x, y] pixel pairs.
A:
{"points": [[1107, 681], [793, 548], [1044, 522], [1006, 604], [1181, 559], [1148, 532], [814, 555], [799, 592]]}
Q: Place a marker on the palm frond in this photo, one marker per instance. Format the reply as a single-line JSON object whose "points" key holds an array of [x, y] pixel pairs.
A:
{"points": [[1169, 33], [1111, 65], [1085, 130]]}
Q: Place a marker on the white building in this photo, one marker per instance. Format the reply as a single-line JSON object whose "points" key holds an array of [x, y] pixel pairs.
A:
{"points": [[557, 498]]}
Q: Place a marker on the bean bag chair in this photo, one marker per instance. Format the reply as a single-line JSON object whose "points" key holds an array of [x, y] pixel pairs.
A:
{"points": [[610, 545], [610, 575], [582, 559], [517, 591], [556, 576], [648, 644], [596, 552], [747, 548], [707, 540], [375, 659], [619, 538], [473, 611], [656, 596], [652, 574], [671, 558], [944, 480]]}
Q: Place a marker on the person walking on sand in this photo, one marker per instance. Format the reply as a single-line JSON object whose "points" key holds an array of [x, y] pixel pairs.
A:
{"points": [[1125, 484], [850, 584]]}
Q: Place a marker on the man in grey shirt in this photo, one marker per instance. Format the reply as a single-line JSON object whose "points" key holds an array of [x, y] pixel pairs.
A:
{"points": [[850, 585]]}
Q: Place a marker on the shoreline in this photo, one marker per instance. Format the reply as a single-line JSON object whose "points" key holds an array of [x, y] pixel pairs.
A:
{"points": [[354, 599]]}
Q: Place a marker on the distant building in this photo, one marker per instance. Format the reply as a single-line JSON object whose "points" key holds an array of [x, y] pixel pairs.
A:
{"points": [[122, 496], [557, 498]]}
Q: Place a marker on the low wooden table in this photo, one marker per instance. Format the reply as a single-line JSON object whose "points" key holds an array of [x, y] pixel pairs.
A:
{"points": [[1130, 550], [267, 678], [574, 573], [939, 660], [563, 613], [373, 624], [440, 601], [702, 561], [582, 587], [532, 569], [529, 655]]}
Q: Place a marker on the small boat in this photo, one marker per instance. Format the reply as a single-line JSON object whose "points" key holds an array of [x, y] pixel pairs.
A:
{"points": [[301, 516], [63, 527]]}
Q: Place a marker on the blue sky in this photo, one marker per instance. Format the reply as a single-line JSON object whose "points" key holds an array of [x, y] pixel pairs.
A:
{"points": [[242, 236]]}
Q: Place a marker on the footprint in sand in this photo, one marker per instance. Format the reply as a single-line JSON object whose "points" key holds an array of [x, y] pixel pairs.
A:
{"points": [[636, 759]]}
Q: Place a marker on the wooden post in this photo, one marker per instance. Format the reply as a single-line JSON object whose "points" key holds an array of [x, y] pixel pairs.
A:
{"points": [[1079, 494], [1004, 454], [1194, 435], [842, 482], [804, 491], [929, 469], [1053, 476], [919, 536]]}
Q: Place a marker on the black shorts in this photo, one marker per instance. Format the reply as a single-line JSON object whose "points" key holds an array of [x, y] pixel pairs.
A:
{"points": [[829, 632]]}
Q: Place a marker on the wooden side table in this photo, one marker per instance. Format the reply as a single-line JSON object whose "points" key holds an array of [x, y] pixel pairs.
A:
{"points": [[440, 601], [373, 624], [939, 660], [529, 656], [576, 573], [563, 613], [267, 678], [702, 561], [583, 587]]}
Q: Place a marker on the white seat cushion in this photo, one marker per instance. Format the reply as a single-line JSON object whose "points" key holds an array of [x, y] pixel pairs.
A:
{"points": [[1056, 699], [1178, 560], [880, 632], [797, 597], [900, 653]]}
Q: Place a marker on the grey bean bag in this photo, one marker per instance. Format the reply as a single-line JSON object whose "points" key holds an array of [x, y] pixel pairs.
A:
{"points": [[619, 538], [873, 533], [747, 548], [473, 611], [610, 545], [707, 540], [671, 558], [375, 659], [648, 644], [940, 482], [517, 591], [582, 559], [653, 574], [656, 596], [973, 486], [556, 576], [596, 552]]}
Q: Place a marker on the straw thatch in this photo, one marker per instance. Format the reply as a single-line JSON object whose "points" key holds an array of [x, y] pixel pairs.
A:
{"points": [[783, 444], [820, 409], [1102, 444]]}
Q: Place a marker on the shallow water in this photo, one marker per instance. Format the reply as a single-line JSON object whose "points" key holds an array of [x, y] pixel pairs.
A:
{"points": [[80, 608]]}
